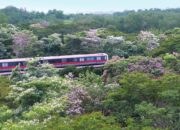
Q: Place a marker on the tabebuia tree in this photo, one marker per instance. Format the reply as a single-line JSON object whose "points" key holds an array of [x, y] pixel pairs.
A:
{"points": [[150, 40], [22, 42]]}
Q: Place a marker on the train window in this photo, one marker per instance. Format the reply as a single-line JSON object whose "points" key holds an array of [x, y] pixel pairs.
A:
{"points": [[81, 59], [64, 60], [44, 61], [98, 58], [19, 63], [54, 61], [4, 64], [103, 57], [75, 59], [0, 64], [90, 58], [23, 63], [59, 60], [70, 60], [13, 63]]}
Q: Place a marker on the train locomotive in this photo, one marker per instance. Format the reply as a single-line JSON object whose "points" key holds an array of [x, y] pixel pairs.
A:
{"points": [[81, 60]]}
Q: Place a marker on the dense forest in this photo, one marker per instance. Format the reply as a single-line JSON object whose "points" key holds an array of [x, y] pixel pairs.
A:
{"points": [[137, 89]]}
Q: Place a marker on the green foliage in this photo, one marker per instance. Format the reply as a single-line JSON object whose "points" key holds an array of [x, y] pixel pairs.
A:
{"points": [[52, 44], [103, 33], [90, 78], [146, 100], [72, 45], [5, 113], [4, 87], [6, 32], [81, 34], [46, 109], [151, 115], [25, 94], [16, 74], [124, 49], [170, 45], [22, 125], [97, 90], [172, 62], [118, 66], [67, 70], [36, 69], [93, 121], [76, 72], [127, 21], [169, 58]]}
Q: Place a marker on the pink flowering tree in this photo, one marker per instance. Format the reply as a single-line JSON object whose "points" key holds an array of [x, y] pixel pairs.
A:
{"points": [[148, 65], [22, 42]]}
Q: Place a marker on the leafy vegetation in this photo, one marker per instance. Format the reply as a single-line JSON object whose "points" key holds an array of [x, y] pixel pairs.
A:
{"points": [[138, 88]]}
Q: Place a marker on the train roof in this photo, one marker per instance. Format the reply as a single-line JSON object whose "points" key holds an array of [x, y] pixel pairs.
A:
{"points": [[52, 57], [73, 56], [13, 60]]}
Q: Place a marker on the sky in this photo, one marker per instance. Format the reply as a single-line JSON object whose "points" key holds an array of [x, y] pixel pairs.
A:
{"points": [[90, 6]]}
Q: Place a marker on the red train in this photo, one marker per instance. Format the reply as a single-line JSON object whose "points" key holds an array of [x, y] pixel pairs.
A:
{"points": [[6, 65]]}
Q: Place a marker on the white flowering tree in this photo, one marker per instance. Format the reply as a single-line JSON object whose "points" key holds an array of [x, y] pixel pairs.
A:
{"points": [[150, 39]]}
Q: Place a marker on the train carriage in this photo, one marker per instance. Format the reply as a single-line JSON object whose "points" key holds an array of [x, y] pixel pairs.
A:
{"points": [[6, 65]]}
